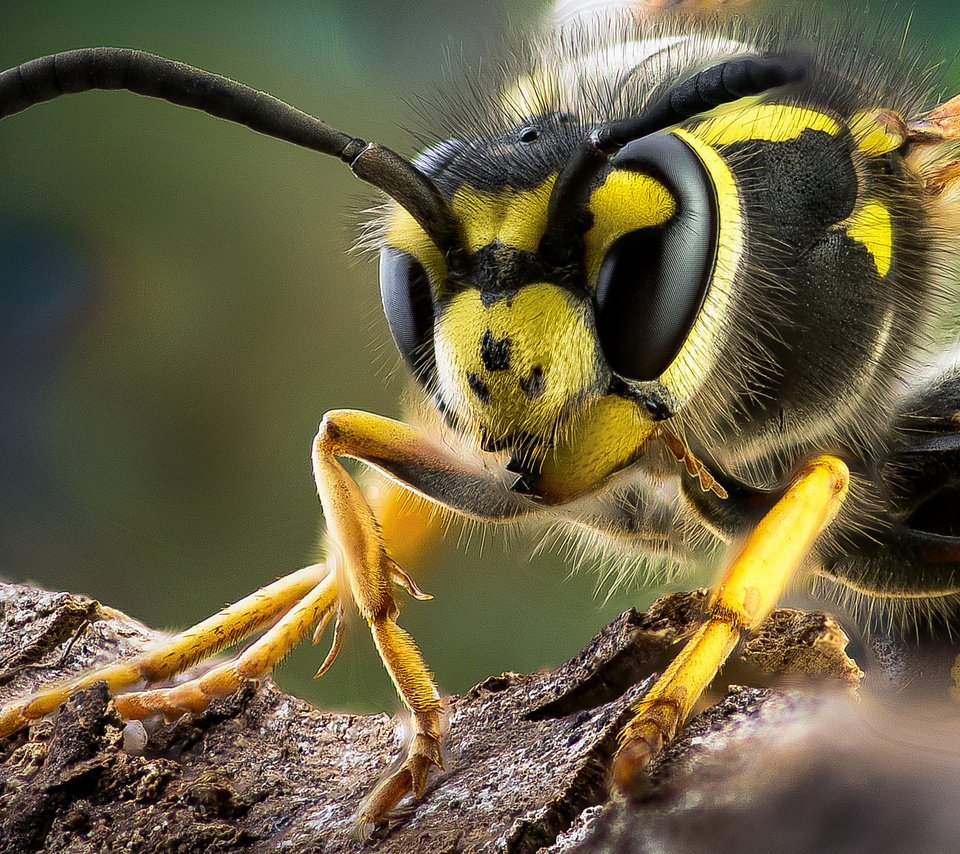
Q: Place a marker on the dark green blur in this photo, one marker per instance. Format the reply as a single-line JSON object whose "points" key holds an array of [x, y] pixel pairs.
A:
{"points": [[162, 465]]}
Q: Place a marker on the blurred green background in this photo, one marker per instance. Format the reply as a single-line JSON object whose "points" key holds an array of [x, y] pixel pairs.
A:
{"points": [[178, 309]]}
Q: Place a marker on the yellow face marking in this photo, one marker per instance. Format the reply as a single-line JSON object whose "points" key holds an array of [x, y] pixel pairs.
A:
{"points": [[624, 202], [873, 227], [696, 356], [878, 132], [767, 122], [550, 358], [516, 218]]}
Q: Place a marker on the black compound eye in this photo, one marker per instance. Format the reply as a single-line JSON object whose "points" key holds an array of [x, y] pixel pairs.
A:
{"points": [[408, 304], [652, 282]]}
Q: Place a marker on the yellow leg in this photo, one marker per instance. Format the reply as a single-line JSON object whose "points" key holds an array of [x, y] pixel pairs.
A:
{"points": [[357, 562], [232, 624], [746, 594], [370, 573], [255, 662], [457, 483]]}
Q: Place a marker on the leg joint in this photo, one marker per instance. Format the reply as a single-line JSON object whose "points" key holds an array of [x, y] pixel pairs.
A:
{"points": [[660, 709], [329, 434], [727, 616]]}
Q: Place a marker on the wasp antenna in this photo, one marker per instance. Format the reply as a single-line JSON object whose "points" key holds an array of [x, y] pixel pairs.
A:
{"points": [[154, 76], [720, 84]]}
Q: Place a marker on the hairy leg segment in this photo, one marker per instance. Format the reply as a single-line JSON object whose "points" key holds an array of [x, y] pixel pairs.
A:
{"points": [[360, 570], [742, 599]]}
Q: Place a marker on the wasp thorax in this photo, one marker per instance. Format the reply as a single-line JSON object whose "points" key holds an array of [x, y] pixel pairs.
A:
{"points": [[514, 365]]}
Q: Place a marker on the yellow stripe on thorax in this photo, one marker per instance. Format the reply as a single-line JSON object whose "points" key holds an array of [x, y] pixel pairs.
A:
{"points": [[764, 122], [872, 226]]}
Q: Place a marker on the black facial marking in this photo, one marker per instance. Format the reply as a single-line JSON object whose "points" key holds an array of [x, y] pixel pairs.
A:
{"points": [[495, 354], [479, 387], [499, 271], [534, 384]]}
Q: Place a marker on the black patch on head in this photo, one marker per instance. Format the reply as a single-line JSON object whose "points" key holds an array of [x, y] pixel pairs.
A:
{"points": [[478, 387], [495, 354], [533, 385], [499, 271], [488, 298], [508, 158]]}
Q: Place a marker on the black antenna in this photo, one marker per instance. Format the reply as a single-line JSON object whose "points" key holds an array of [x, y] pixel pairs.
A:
{"points": [[146, 74], [720, 84]]}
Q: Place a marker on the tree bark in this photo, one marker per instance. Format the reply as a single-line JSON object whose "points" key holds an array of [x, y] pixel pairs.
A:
{"points": [[526, 756]]}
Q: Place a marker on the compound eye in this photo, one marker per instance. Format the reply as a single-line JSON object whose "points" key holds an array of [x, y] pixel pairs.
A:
{"points": [[408, 305], [653, 281]]}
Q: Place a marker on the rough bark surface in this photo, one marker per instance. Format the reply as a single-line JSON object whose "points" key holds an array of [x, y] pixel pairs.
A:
{"points": [[526, 756]]}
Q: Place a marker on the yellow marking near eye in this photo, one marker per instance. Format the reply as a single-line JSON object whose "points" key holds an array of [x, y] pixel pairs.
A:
{"points": [[878, 132], [404, 233], [516, 218], [624, 202], [766, 122], [548, 330], [872, 226]]}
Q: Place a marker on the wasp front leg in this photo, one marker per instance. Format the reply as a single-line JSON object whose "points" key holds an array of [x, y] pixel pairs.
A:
{"points": [[743, 598], [370, 574]]}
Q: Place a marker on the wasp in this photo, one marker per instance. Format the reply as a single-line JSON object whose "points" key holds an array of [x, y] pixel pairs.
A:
{"points": [[675, 286]]}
